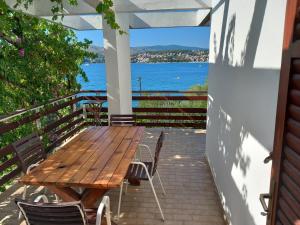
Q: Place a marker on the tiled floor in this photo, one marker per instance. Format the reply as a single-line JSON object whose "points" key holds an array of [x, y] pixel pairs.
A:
{"points": [[191, 197]]}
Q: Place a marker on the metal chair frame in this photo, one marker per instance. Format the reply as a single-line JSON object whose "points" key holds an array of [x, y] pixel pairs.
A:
{"points": [[150, 177], [105, 204], [25, 167]]}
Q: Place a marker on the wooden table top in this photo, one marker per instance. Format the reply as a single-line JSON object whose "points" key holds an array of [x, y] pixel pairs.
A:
{"points": [[97, 158]]}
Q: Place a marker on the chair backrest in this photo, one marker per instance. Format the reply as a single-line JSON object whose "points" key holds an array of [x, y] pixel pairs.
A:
{"points": [[159, 145], [29, 150], [122, 120], [70, 213], [95, 109]]}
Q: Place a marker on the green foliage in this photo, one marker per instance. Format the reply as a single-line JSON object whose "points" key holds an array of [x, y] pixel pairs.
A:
{"points": [[176, 104], [104, 8], [39, 60]]}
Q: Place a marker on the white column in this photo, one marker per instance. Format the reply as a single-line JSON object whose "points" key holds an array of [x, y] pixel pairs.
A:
{"points": [[118, 71]]}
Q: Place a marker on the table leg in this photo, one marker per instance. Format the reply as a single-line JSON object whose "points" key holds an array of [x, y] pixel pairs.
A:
{"points": [[88, 198], [134, 182], [67, 194], [91, 196]]}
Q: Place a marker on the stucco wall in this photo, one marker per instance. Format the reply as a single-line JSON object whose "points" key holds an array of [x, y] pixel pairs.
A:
{"points": [[245, 57]]}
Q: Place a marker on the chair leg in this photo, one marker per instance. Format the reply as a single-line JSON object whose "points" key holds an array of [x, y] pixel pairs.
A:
{"points": [[126, 186], [56, 197], [23, 197], [120, 199], [161, 184], [153, 190]]}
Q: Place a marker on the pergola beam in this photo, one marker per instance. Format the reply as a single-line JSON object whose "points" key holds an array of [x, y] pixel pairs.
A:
{"points": [[84, 7], [141, 20], [158, 5]]}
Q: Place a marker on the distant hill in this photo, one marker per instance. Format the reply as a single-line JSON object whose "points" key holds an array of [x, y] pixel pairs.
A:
{"points": [[155, 48], [158, 52]]}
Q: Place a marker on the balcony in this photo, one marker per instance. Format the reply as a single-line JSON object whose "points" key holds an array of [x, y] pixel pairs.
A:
{"points": [[191, 196]]}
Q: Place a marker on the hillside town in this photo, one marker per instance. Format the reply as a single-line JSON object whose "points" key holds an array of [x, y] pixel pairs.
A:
{"points": [[171, 56], [157, 54]]}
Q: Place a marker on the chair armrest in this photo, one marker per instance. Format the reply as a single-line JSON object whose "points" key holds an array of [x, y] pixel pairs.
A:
{"points": [[105, 204], [41, 197], [31, 167]]}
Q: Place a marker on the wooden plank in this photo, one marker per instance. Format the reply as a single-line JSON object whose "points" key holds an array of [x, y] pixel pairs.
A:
{"points": [[283, 218], [6, 150], [295, 82], [9, 176], [170, 117], [65, 137], [287, 211], [293, 127], [295, 97], [296, 65], [64, 119], [153, 98], [68, 126], [122, 168], [66, 160], [292, 157], [171, 110], [166, 110], [169, 98], [154, 124], [289, 198], [151, 92], [291, 186], [75, 173], [293, 142], [34, 107], [292, 171], [40, 173], [93, 123], [108, 171], [294, 112], [5, 127], [65, 193], [90, 197], [87, 166], [100, 163], [8, 163], [95, 98]]}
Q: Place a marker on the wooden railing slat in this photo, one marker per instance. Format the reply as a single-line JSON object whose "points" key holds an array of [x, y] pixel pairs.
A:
{"points": [[9, 176], [8, 163], [64, 119], [5, 127], [6, 150]]}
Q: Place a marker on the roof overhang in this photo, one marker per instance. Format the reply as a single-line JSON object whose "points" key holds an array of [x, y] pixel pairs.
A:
{"points": [[142, 13]]}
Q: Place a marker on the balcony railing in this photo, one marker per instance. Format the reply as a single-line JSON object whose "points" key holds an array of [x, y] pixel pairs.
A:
{"points": [[62, 118]]}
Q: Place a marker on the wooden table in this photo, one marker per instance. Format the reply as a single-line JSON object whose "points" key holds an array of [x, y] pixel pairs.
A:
{"points": [[97, 160]]}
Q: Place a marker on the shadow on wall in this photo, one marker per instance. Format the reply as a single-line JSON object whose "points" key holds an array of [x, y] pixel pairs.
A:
{"points": [[231, 129]]}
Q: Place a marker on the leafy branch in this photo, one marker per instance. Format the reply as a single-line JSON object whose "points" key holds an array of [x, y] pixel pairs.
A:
{"points": [[105, 7]]}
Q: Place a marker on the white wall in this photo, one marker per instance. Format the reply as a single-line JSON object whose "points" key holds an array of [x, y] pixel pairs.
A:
{"points": [[245, 56]]}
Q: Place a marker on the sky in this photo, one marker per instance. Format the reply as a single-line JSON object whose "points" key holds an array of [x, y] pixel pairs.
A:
{"points": [[185, 36]]}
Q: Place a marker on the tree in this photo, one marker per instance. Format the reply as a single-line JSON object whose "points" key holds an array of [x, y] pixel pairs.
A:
{"points": [[39, 60]]}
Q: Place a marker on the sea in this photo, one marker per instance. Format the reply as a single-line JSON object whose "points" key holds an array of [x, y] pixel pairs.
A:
{"points": [[157, 76]]}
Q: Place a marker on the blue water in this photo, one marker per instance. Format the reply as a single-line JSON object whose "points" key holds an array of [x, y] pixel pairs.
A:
{"points": [[160, 76]]}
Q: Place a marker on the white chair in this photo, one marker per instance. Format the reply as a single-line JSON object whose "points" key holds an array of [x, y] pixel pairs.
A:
{"points": [[145, 170], [30, 153], [69, 213]]}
